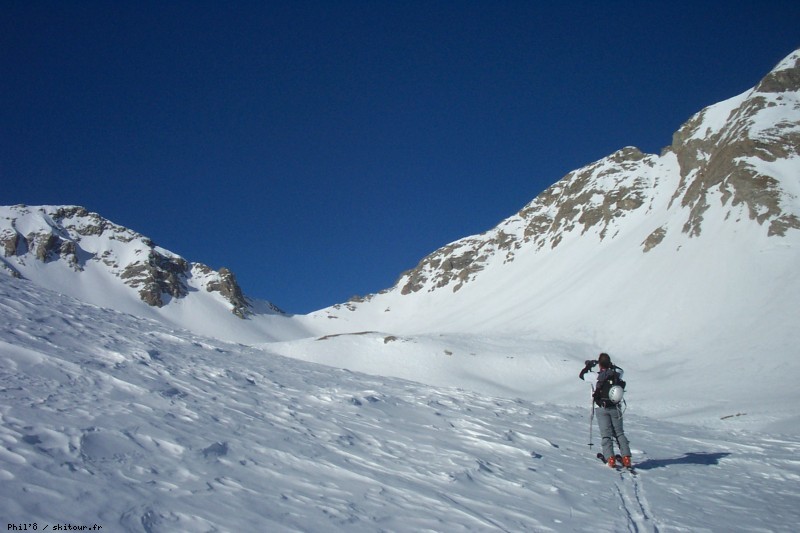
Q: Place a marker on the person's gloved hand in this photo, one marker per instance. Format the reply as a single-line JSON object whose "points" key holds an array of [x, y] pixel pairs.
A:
{"points": [[590, 364]]}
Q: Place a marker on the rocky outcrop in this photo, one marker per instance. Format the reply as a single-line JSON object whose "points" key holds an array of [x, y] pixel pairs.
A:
{"points": [[454, 263], [46, 245], [9, 240], [157, 277], [225, 283], [592, 198]]}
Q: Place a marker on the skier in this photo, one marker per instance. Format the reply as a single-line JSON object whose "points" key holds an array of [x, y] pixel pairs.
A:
{"points": [[609, 415]]}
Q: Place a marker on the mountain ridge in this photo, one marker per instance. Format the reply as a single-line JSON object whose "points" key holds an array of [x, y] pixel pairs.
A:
{"points": [[730, 172], [67, 233], [84, 255], [708, 155]]}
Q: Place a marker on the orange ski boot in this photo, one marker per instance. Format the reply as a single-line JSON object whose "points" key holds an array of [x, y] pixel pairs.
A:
{"points": [[626, 461], [612, 462]]}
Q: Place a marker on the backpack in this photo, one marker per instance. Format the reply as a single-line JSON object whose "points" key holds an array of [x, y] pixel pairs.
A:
{"points": [[603, 395]]}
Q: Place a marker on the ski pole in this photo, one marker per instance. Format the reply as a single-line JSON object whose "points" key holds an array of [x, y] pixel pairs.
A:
{"points": [[591, 418]]}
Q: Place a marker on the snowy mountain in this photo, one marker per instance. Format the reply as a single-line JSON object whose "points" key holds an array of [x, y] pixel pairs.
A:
{"points": [[682, 265], [74, 238], [729, 181], [143, 392], [119, 422], [82, 254]]}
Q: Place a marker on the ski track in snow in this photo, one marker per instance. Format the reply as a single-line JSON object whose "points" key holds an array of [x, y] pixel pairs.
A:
{"points": [[634, 504], [112, 420]]}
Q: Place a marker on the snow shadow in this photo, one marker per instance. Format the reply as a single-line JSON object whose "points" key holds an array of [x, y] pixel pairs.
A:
{"points": [[695, 458]]}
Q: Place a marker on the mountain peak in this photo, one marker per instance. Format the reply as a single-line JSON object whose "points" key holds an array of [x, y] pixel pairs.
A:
{"points": [[737, 152], [784, 77], [62, 242], [728, 183]]}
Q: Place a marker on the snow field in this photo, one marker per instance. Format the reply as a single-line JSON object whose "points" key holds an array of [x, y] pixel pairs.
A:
{"points": [[118, 421]]}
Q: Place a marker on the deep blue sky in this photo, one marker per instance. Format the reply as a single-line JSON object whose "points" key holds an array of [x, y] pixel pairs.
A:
{"points": [[318, 149]]}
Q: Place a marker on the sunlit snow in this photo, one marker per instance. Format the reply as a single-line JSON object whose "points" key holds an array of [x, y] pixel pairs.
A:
{"points": [[118, 421]]}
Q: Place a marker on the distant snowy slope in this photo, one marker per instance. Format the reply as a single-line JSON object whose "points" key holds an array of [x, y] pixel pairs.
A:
{"points": [[73, 251]]}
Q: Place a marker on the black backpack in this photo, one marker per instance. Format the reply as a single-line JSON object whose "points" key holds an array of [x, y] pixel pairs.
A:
{"points": [[603, 387]]}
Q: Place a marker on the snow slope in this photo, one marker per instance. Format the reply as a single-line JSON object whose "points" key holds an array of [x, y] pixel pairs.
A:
{"points": [[112, 420]]}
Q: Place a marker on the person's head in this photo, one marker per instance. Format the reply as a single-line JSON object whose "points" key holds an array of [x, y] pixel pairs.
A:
{"points": [[604, 360]]}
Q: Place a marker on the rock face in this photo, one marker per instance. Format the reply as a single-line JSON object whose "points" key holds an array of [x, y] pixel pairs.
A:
{"points": [[736, 153], [78, 239], [225, 283], [157, 276], [45, 246]]}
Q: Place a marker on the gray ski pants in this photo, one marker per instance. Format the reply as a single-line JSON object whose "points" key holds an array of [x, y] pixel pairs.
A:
{"points": [[610, 421]]}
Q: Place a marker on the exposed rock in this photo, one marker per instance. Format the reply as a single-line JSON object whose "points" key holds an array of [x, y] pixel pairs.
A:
{"points": [[654, 239], [157, 276], [10, 241], [63, 234], [593, 197], [90, 223], [44, 245], [785, 77], [227, 286], [68, 251]]}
